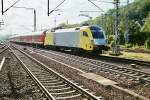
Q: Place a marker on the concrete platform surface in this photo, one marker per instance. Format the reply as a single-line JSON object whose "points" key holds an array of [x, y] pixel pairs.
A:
{"points": [[99, 79]]}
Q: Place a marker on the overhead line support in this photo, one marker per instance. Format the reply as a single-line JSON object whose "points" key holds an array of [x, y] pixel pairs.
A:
{"points": [[3, 11], [116, 49], [55, 7], [2, 2]]}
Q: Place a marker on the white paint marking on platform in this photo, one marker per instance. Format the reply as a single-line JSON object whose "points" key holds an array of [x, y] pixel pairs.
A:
{"points": [[99, 79], [2, 63]]}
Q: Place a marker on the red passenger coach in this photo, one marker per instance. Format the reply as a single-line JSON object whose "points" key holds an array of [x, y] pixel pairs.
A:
{"points": [[35, 38], [38, 38]]}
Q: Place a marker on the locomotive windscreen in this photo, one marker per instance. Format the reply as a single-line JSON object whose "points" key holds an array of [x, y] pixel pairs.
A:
{"points": [[97, 32]]}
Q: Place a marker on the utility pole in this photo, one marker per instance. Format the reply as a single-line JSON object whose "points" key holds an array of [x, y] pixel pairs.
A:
{"points": [[48, 7], [103, 21], [116, 48], [126, 34], [2, 7], [55, 22], [35, 20]]}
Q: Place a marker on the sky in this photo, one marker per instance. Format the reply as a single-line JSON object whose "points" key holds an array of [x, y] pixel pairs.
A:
{"points": [[19, 21]]}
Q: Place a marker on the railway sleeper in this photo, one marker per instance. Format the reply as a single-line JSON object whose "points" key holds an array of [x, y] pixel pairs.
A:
{"points": [[60, 89], [130, 72], [43, 76], [144, 75], [50, 81], [145, 79], [65, 93], [42, 72], [46, 77], [74, 97], [57, 86], [123, 71], [53, 83], [135, 74]]}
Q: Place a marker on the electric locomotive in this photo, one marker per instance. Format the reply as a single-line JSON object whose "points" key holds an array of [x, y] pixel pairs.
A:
{"points": [[87, 38]]}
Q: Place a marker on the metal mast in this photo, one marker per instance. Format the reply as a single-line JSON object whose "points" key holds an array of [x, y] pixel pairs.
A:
{"points": [[116, 49], [35, 21], [126, 34], [2, 7]]}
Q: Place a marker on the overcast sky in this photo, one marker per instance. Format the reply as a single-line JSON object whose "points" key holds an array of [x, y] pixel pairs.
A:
{"points": [[19, 21]]}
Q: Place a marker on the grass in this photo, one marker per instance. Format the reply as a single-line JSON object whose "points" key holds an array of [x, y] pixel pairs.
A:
{"points": [[131, 55], [141, 56]]}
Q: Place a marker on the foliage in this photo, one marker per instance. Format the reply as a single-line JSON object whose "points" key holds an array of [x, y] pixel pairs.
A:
{"points": [[110, 39], [128, 45], [64, 25], [147, 43], [146, 27], [112, 44]]}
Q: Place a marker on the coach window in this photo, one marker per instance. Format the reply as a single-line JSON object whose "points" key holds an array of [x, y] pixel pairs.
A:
{"points": [[85, 34]]}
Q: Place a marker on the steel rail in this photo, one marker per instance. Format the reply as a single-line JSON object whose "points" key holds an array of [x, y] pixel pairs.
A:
{"points": [[45, 91], [110, 67], [2, 47], [2, 63], [3, 50], [76, 87]]}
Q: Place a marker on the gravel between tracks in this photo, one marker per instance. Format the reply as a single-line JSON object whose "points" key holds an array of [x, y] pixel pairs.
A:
{"points": [[15, 84], [101, 58], [136, 86], [106, 92]]}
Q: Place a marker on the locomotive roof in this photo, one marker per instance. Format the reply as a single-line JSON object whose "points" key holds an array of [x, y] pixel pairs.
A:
{"points": [[67, 30], [76, 29]]}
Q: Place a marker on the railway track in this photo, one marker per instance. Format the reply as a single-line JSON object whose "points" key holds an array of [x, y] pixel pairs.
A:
{"points": [[89, 64], [47, 56], [54, 85], [4, 48], [93, 65], [130, 61]]}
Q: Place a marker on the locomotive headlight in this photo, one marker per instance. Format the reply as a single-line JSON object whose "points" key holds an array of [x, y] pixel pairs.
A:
{"points": [[92, 42]]}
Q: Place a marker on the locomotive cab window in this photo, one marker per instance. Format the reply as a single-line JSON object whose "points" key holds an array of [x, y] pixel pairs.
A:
{"points": [[97, 33], [85, 34]]}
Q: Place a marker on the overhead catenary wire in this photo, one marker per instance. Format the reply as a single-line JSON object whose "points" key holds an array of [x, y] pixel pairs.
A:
{"points": [[106, 1], [23, 7], [55, 7], [96, 6], [91, 11], [3, 11]]}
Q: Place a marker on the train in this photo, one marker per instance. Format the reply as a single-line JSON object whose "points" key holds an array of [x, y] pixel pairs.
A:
{"points": [[84, 38]]}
